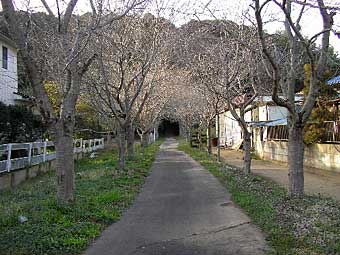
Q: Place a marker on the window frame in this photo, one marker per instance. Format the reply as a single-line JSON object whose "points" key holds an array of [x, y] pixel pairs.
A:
{"points": [[4, 57]]}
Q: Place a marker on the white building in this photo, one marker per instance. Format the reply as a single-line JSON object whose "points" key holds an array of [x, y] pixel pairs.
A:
{"points": [[230, 130], [8, 71]]}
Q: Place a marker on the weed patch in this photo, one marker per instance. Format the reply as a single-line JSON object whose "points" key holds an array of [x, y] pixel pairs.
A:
{"points": [[310, 225], [102, 194]]}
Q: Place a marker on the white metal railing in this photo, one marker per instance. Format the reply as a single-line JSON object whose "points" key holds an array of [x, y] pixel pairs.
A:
{"points": [[38, 152]]}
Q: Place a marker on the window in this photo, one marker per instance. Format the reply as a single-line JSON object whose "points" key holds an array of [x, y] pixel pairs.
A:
{"points": [[4, 57]]}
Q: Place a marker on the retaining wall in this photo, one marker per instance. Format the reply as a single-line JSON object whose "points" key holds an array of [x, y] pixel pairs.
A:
{"points": [[14, 178], [323, 156]]}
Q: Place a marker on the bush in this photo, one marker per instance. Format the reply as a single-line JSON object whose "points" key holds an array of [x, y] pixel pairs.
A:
{"points": [[18, 124]]}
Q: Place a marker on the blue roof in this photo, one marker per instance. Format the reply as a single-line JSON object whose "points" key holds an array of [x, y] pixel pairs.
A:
{"points": [[269, 123], [334, 80]]}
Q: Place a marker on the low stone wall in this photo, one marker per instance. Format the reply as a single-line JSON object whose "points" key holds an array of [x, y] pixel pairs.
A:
{"points": [[323, 156], [14, 178]]}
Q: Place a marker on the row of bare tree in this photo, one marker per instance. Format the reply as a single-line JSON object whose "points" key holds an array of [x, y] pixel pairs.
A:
{"points": [[135, 69], [114, 59], [231, 64]]}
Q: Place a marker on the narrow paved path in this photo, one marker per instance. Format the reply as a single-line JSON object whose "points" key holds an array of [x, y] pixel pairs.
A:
{"points": [[181, 210]]}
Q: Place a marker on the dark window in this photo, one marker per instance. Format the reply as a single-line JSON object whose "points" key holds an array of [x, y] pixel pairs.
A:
{"points": [[4, 57]]}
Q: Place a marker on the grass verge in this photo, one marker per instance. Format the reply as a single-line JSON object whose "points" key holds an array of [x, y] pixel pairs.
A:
{"points": [[102, 194], [310, 225]]}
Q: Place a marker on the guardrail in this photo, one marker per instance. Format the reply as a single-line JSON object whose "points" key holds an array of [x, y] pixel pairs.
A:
{"points": [[39, 152]]}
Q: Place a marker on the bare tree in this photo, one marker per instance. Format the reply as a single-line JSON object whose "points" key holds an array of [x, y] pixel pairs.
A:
{"points": [[185, 105], [54, 47], [298, 116], [154, 107], [123, 75], [227, 68]]}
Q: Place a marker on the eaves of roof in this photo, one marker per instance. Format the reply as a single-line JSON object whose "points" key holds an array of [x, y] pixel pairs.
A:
{"points": [[7, 40]]}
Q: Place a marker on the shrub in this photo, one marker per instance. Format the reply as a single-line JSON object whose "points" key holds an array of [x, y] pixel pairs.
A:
{"points": [[18, 124]]}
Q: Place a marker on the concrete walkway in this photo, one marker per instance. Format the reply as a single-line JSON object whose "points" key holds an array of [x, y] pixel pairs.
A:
{"points": [[181, 210], [317, 181]]}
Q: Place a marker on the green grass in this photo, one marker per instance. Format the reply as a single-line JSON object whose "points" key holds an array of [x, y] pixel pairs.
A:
{"points": [[310, 225], [102, 194]]}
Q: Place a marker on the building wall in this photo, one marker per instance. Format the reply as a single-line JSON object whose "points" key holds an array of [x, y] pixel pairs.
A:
{"points": [[230, 130], [277, 112], [272, 112], [323, 156], [8, 77]]}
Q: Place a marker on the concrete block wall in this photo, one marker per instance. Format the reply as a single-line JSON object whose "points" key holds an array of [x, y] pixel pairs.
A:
{"points": [[16, 177], [21, 170], [323, 156]]}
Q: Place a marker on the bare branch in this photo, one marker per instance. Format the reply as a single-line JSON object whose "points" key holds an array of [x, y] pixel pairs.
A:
{"points": [[48, 9]]}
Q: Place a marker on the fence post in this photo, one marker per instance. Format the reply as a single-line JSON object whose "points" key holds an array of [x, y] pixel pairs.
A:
{"points": [[74, 146], [30, 146], [81, 145], [44, 155], [9, 152]]}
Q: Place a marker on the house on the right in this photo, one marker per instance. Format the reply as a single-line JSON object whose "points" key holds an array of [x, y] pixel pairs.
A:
{"points": [[272, 145], [268, 125]]}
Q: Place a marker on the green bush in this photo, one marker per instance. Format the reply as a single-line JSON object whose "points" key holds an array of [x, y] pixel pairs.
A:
{"points": [[18, 124]]}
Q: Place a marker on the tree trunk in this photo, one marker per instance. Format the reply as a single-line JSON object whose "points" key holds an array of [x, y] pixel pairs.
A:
{"points": [[246, 151], [121, 148], [218, 139], [209, 138], [145, 140], [295, 161], [65, 163], [130, 141], [199, 136]]}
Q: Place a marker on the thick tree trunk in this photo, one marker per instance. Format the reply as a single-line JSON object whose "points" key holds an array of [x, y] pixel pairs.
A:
{"points": [[209, 138], [130, 141], [121, 148], [246, 151], [295, 161], [65, 163], [218, 139]]}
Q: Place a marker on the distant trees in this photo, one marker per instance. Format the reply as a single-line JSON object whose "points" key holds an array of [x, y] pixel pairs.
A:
{"points": [[222, 61], [154, 106], [126, 73]]}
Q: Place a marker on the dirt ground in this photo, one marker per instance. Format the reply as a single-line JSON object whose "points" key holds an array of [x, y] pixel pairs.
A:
{"points": [[317, 181]]}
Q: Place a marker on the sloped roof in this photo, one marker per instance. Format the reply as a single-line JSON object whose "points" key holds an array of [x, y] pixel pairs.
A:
{"points": [[334, 80]]}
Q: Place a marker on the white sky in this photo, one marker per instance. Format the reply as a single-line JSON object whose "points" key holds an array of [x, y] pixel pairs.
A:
{"points": [[182, 11]]}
